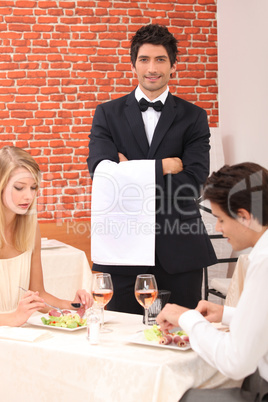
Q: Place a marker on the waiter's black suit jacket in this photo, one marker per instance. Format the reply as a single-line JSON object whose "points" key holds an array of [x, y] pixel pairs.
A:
{"points": [[182, 243]]}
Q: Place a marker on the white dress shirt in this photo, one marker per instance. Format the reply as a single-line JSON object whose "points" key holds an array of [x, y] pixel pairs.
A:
{"points": [[239, 352], [150, 116]]}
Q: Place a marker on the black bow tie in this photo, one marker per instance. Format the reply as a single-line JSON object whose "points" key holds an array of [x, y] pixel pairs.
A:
{"points": [[144, 104]]}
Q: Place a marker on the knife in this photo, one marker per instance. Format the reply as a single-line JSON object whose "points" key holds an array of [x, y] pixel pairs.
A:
{"points": [[76, 305]]}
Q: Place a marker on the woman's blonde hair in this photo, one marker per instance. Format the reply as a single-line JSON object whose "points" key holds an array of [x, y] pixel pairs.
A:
{"points": [[12, 158]]}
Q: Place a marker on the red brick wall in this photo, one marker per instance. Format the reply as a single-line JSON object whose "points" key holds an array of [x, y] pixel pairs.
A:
{"points": [[59, 59]]}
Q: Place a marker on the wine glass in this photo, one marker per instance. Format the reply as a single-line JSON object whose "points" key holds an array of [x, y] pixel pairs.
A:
{"points": [[146, 292], [102, 292]]}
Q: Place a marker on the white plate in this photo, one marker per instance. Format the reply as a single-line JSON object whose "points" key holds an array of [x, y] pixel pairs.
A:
{"points": [[36, 320], [140, 339]]}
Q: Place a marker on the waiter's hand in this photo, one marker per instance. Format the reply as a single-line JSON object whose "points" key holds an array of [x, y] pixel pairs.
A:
{"points": [[122, 157], [172, 165]]}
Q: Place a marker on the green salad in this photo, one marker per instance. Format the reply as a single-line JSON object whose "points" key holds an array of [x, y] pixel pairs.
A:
{"points": [[66, 321], [155, 333]]}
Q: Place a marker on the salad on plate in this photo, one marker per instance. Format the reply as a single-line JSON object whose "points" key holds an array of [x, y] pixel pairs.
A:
{"points": [[178, 338], [66, 321]]}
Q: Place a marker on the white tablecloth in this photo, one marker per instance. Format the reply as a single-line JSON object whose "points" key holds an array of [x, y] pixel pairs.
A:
{"points": [[67, 368], [65, 269]]}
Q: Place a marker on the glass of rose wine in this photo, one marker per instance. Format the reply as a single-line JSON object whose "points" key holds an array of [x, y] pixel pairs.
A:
{"points": [[102, 292], [146, 292]]}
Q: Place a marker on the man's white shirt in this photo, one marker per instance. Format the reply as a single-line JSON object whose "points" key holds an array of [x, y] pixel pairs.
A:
{"points": [[150, 116], [239, 352]]}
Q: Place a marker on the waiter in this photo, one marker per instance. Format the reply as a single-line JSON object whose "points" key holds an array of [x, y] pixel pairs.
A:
{"points": [[150, 124]]}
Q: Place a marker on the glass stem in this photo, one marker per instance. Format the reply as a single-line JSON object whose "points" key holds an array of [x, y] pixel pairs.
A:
{"points": [[146, 314], [102, 317]]}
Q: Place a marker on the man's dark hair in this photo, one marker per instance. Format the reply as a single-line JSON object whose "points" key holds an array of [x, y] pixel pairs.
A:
{"points": [[244, 185], [156, 35]]}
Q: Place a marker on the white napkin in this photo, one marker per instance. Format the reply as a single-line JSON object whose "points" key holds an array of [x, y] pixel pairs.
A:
{"points": [[123, 213], [23, 334]]}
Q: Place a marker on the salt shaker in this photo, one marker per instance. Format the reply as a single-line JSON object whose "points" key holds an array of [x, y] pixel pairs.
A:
{"points": [[93, 326]]}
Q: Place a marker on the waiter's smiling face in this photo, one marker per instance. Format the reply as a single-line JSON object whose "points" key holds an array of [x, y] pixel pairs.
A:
{"points": [[153, 69]]}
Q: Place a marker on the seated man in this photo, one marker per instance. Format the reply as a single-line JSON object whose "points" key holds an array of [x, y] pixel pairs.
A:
{"points": [[239, 200]]}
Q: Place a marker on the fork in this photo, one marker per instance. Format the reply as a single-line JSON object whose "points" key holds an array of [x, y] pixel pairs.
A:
{"points": [[49, 305]]}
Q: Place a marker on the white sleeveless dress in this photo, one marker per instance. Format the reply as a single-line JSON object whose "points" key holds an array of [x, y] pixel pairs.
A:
{"points": [[14, 272]]}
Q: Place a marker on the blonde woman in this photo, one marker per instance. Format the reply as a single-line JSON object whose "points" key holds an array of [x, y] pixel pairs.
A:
{"points": [[20, 242]]}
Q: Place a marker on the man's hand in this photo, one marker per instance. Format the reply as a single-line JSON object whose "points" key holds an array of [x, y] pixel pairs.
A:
{"points": [[122, 157], [168, 318], [211, 311], [172, 165]]}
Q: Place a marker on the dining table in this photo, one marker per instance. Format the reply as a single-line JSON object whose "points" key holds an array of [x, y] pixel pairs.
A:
{"points": [[43, 363], [65, 269]]}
